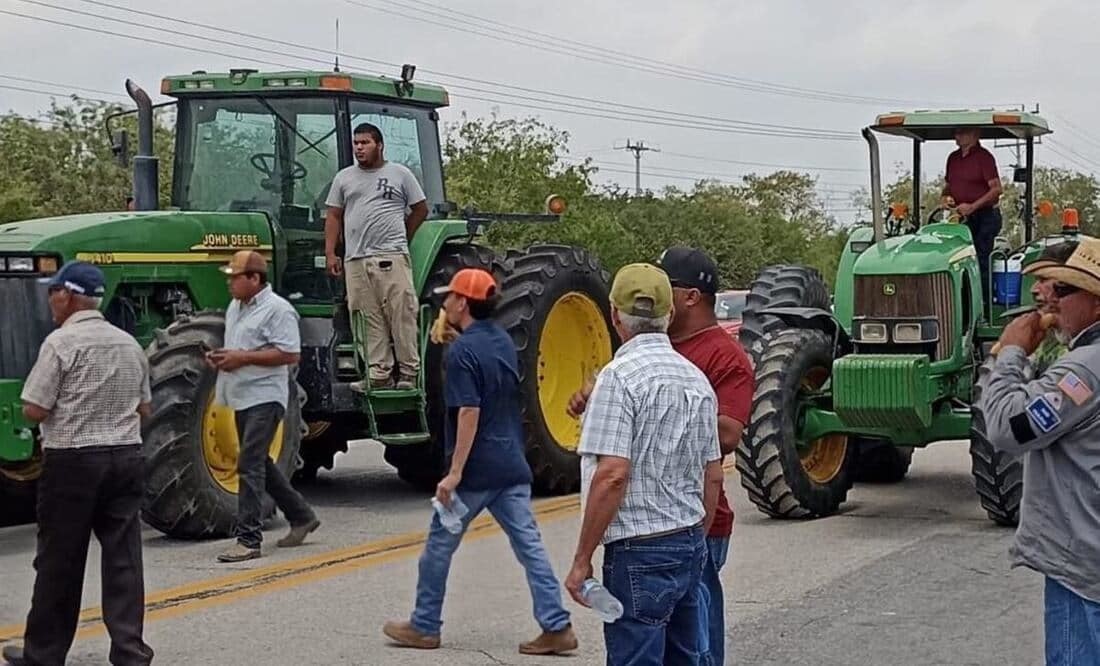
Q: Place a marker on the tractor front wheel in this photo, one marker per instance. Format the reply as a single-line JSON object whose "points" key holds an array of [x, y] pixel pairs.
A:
{"points": [[998, 477], [784, 477], [191, 444], [779, 286]]}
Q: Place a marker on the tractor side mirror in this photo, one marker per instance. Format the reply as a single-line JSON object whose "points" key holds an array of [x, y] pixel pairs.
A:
{"points": [[1019, 175], [446, 208], [120, 146]]}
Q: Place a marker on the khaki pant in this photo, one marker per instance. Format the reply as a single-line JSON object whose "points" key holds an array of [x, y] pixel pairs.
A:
{"points": [[381, 288]]}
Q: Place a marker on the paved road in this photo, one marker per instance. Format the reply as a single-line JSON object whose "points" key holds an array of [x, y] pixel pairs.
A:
{"points": [[909, 574]]}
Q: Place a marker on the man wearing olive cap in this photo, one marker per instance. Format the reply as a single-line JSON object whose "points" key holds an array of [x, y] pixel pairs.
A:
{"points": [[650, 477], [1051, 421]]}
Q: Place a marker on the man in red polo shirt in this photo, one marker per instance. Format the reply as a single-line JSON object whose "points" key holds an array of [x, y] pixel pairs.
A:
{"points": [[971, 180], [695, 333]]}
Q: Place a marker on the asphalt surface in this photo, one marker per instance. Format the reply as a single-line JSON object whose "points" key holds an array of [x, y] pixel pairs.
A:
{"points": [[911, 573]]}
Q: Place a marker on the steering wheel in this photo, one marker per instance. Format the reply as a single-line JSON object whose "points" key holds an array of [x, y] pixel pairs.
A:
{"points": [[259, 162], [953, 215]]}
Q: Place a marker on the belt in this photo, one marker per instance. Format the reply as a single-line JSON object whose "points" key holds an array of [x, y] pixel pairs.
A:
{"points": [[664, 533], [74, 450]]}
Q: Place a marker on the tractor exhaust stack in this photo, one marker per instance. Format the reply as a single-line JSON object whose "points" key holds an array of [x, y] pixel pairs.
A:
{"points": [[146, 188], [876, 187]]}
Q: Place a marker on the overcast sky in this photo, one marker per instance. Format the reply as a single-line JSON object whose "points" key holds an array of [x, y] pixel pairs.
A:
{"points": [[838, 63]]}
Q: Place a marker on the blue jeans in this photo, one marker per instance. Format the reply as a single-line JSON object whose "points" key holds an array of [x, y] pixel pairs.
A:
{"points": [[657, 581], [511, 507], [1072, 627], [712, 619]]}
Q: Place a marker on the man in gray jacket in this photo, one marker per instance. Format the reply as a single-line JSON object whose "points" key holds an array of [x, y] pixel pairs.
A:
{"points": [[1053, 421]]}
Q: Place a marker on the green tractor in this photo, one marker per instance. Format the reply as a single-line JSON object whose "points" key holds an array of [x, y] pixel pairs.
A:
{"points": [[849, 384], [255, 154]]}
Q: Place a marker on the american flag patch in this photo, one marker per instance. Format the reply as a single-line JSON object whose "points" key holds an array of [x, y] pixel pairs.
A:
{"points": [[1077, 390]]}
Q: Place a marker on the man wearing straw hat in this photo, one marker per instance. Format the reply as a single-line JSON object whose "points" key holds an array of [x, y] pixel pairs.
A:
{"points": [[1051, 420]]}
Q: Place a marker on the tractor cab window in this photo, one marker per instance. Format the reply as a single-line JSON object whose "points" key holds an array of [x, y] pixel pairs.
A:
{"points": [[275, 155], [411, 138]]}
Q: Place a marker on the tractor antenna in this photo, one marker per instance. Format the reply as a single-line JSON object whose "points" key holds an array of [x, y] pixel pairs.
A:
{"points": [[336, 67]]}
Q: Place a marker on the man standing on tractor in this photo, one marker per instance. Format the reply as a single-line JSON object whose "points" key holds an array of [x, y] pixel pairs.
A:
{"points": [[972, 183], [366, 208], [261, 342], [1051, 421], [488, 469]]}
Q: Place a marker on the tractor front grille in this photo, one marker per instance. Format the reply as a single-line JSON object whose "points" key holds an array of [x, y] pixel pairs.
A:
{"points": [[900, 296], [25, 324]]}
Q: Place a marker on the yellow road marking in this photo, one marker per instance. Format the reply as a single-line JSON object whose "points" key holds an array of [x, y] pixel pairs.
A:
{"points": [[231, 588], [191, 597]]}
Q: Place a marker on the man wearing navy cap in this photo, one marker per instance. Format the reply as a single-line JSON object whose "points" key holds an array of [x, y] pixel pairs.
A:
{"points": [[88, 391]]}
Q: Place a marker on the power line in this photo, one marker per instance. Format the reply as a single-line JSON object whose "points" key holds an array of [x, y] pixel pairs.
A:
{"points": [[547, 42], [804, 167], [35, 91], [777, 130], [60, 85], [638, 149]]}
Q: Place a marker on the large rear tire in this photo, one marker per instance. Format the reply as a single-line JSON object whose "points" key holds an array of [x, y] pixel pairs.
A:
{"points": [[779, 286], [998, 477], [781, 479], [191, 444], [556, 306]]}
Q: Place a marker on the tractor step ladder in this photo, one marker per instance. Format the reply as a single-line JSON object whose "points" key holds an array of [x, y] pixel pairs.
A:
{"points": [[372, 397]]}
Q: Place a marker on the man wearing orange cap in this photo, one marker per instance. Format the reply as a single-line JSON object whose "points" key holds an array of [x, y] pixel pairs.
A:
{"points": [[1051, 422], [261, 342], [488, 468]]}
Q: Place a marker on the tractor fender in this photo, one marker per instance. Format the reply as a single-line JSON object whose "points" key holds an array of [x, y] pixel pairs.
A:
{"points": [[815, 319]]}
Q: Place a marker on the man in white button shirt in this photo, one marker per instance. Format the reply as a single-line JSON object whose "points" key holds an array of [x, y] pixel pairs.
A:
{"points": [[651, 473]]}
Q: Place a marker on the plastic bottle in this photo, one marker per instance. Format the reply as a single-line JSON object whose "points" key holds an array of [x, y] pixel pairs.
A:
{"points": [[606, 606], [451, 517]]}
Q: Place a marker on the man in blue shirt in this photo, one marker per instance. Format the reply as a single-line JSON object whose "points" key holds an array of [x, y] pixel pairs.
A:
{"points": [[488, 469]]}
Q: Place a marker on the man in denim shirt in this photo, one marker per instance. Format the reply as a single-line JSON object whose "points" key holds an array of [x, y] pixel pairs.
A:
{"points": [[484, 440], [261, 342], [651, 472]]}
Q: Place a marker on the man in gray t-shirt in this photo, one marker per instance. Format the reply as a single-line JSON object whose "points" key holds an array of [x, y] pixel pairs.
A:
{"points": [[366, 206]]}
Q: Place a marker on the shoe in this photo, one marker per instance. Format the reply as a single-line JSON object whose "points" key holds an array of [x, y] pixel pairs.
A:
{"points": [[375, 385], [239, 552], [14, 655], [405, 383], [404, 634], [551, 642], [298, 533]]}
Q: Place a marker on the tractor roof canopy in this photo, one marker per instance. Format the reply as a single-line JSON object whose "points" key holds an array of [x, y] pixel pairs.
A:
{"points": [[252, 82], [928, 125]]}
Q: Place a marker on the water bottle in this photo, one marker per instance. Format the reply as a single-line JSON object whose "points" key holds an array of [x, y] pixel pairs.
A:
{"points": [[606, 606], [451, 518]]}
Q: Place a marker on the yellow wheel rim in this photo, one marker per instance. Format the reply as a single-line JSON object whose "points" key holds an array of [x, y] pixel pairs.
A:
{"points": [[575, 343], [220, 446], [824, 457]]}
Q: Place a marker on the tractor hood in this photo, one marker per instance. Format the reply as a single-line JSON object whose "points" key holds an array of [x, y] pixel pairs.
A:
{"points": [[933, 248], [119, 236]]}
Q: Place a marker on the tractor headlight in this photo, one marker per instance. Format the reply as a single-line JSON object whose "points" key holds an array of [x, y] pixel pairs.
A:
{"points": [[907, 332], [872, 331], [21, 264]]}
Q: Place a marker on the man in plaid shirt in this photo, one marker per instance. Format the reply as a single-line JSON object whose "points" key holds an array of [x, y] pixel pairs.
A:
{"points": [[651, 474]]}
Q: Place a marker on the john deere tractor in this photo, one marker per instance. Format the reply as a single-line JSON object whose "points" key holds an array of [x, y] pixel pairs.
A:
{"points": [[848, 386], [255, 154]]}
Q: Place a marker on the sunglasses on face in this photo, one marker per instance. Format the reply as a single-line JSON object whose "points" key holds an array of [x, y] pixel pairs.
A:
{"points": [[1061, 289]]}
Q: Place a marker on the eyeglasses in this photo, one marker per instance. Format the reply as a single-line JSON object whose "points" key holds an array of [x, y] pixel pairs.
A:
{"points": [[1061, 289]]}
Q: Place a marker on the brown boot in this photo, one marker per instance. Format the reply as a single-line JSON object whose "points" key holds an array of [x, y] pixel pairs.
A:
{"points": [[404, 634], [298, 533], [551, 642]]}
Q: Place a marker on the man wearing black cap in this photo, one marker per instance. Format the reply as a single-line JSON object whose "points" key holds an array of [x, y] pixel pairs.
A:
{"points": [[87, 391], [696, 334]]}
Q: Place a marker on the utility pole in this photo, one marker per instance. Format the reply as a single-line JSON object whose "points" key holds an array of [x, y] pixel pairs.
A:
{"points": [[638, 149]]}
